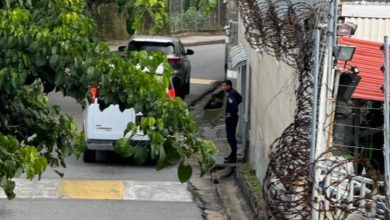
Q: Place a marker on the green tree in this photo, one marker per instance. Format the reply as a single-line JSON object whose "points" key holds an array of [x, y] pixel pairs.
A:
{"points": [[152, 16], [145, 16], [49, 45]]}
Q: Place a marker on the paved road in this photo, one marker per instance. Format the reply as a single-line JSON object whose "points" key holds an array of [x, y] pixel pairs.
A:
{"points": [[207, 67], [113, 188]]}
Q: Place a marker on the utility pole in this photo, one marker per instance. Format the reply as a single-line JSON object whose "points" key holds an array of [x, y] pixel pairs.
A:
{"points": [[326, 82], [313, 133], [181, 15], [386, 112], [324, 105]]}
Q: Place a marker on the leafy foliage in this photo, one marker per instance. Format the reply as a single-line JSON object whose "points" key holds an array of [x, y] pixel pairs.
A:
{"points": [[145, 16], [152, 16], [49, 45], [193, 19]]}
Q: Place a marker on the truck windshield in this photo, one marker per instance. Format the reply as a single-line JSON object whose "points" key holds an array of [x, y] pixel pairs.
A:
{"points": [[150, 47]]}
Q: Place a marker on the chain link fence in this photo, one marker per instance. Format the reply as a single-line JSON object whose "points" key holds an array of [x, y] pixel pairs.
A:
{"points": [[186, 15]]}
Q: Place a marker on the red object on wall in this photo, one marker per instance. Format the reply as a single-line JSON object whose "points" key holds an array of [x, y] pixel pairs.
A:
{"points": [[368, 58]]}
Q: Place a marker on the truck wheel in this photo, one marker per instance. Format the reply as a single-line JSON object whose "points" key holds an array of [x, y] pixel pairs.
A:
{"points": [[89, 155], [181, 92], [179, 87]]}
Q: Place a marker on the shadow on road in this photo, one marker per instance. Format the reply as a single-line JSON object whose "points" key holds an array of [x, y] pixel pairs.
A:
{"points": [[111, 158]]}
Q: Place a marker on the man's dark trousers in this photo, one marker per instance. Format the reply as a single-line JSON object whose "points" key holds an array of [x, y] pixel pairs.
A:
{"points": [[231, 127]]}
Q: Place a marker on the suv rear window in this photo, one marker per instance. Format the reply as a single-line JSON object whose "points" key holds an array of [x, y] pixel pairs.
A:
{"points": [[149, 47]]}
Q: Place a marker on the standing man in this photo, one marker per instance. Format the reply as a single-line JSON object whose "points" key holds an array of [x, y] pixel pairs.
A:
{"points": [[233, 101]]}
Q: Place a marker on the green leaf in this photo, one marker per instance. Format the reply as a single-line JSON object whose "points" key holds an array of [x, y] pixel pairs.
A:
{"points": [[184, 172], [9, 189], [162, 159], [18, 172], [213, 3], [54, 50], [141, 154], [3, 181], [90, 71], [58, 78], [123, 148], [173, 155], [40, 61], [131, 127], [33, 47], [151, 122], [130, 26], [37, 49], [53, 61]]}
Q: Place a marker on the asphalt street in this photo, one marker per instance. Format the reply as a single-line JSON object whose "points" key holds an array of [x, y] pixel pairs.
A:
{"points": [[113, 188], [207, 67]]}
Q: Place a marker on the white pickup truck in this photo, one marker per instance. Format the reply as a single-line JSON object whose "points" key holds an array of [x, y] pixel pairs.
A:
{"points": [[103, 128]]}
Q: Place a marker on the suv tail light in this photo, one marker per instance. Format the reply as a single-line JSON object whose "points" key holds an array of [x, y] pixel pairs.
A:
{"points": [[94, 93], [174, 60]]}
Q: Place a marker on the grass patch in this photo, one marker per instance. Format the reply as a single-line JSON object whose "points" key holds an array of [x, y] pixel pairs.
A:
{"points": [[251, 178], [252, 190]]}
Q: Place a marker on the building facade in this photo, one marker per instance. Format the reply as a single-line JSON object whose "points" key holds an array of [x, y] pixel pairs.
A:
{"points": [[268, 89]]}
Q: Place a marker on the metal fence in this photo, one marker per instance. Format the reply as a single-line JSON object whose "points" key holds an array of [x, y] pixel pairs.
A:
{"points": [[185, 15], [345, 192]]}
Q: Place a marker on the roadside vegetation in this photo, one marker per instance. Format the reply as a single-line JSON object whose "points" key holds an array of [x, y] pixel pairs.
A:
{"points": [[51, 45]]}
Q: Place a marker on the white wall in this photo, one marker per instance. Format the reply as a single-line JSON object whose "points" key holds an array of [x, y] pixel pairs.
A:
{"points": [[372, 18], [272, 103]]}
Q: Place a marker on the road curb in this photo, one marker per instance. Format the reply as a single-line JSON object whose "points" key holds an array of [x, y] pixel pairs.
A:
{"points": [[256, 202], [207, 92], [200, 43], [219, 196]]}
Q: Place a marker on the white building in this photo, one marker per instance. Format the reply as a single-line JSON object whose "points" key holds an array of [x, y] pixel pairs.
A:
{"points": [[372, 19], [268, 85]]}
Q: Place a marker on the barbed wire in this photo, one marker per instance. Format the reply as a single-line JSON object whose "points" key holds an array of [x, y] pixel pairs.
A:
{"points": [[285, 30]]}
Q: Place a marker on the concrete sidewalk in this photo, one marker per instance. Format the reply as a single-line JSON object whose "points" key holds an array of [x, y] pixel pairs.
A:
{"points": [[222, 198], [202, 40], [195, 40]]}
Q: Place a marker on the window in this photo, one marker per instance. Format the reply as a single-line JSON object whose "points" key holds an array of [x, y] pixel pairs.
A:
{"points": [[181, 48], [166, 48]]}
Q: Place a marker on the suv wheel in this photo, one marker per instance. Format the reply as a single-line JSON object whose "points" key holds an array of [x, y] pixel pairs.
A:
{"points": [[89, 155]]}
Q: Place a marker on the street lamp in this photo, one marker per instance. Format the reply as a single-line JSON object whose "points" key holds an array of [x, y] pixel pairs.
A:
{"points": [[346, 29], [344, 52]]}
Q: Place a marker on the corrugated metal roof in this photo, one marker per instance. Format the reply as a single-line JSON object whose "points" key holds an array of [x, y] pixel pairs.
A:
{"points": [[368, 58], [237, 56]]}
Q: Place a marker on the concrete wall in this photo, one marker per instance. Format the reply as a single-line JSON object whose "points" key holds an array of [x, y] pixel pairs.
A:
{"points": [[272, 101]]}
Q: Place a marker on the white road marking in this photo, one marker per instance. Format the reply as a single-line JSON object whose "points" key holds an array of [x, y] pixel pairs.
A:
{"points": [[133, 190], [45, 189], [157, 191], [202, 81]]}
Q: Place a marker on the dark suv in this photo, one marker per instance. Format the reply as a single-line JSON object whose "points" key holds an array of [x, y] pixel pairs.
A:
{"points": [[177, 57]]}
